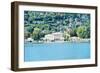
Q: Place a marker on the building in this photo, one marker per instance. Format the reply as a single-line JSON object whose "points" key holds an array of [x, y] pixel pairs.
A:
{"points": [[49, 37], [58, 36]]}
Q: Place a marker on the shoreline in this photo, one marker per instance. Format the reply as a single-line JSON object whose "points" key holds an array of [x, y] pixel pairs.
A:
{"points": [[41, 42]]}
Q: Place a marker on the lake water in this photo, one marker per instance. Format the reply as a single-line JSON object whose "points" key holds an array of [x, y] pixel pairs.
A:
{"points": [[56, 51]]}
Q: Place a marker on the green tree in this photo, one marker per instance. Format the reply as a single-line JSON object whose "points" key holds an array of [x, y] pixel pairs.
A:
{"points": [[87, 29], [83, 32], [66, 36], [72, 32], [36, 34], [29, 28]]}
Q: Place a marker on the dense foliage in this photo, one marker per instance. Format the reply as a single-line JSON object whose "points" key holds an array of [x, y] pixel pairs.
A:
{"points": [[38, 24]]}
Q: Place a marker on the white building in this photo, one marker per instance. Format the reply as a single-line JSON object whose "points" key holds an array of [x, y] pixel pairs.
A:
{"points": [[49, 37], [58, 36]]}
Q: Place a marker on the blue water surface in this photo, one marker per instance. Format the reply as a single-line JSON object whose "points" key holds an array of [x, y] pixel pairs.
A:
{"points": [[56, 51]]}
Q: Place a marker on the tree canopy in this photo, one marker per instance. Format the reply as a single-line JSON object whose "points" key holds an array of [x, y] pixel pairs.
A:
{"points": [[38, 23]]}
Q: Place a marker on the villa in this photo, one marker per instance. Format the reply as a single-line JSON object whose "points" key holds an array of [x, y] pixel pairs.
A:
{"points": [[49, 37], [58, 36]]}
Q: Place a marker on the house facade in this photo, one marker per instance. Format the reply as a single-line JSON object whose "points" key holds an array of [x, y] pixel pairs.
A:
{"points": [[58, 36]]}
